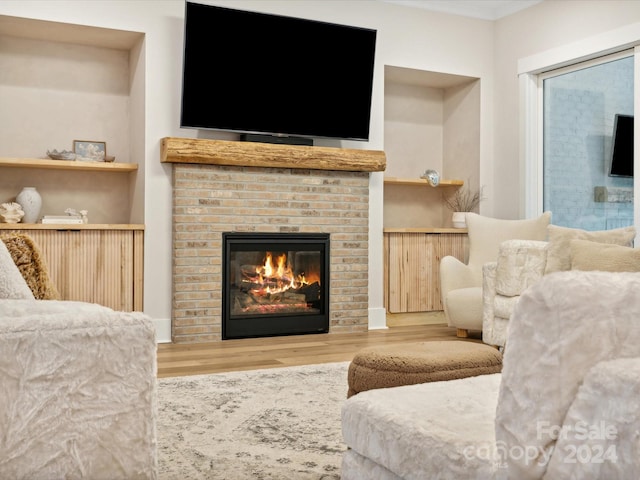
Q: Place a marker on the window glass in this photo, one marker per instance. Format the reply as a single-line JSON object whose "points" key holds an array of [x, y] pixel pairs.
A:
{"points": [[580, 108]]}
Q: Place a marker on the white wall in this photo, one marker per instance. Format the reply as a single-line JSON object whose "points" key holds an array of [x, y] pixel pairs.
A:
{"points": [[549, 25], [407, 37]]}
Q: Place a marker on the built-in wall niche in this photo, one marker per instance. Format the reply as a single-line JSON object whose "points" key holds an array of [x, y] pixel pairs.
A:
{"points": [[63, 82], [431, 121]]}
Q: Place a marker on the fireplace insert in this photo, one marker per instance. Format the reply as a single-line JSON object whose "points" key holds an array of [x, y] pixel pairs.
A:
{"points": [[274, 284]]}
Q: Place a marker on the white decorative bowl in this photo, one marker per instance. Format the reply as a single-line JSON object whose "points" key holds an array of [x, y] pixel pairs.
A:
{"points": [[63, 155]]}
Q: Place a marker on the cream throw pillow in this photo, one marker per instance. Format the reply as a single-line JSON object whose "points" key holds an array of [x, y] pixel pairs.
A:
{"points": [[12, 284], [586, 255], [559, 251], [487, 233]]}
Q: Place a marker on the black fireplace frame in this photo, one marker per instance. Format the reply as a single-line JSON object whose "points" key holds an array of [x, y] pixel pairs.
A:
{"points": [[265, 325]]}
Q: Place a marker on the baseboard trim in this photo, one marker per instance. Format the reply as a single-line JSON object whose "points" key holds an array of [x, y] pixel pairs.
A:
{"points": [[377, 319], [163, 330]]}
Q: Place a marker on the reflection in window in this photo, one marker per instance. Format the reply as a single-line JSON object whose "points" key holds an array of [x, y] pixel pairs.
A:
{"points": [[580, 109]]}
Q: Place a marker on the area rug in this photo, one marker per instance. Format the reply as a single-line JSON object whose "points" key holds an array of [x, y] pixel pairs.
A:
{"points": [[272, 424]]}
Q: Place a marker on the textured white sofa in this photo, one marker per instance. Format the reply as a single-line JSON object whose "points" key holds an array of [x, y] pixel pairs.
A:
{"points": [[522, 263], [77, 381], [78, 385], [569, 386]]}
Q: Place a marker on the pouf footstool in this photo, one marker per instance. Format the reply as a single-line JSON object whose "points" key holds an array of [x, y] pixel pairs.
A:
{"points": [[423, 362]]}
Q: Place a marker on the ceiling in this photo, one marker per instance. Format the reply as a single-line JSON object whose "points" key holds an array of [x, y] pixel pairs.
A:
{"points": [[484, 9]]}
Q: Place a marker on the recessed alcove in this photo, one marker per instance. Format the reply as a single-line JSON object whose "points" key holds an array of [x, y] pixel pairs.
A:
{"points": [[63, 82], [432, 121]]}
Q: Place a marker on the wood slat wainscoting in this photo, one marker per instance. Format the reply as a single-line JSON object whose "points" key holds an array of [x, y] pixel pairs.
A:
{"points": [[412, 268], [93, 264]]}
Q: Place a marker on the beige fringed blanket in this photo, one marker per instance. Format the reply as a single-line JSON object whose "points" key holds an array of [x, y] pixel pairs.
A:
{"points": [[27, 257]]}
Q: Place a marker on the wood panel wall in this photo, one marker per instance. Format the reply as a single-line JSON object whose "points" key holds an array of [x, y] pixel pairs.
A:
{"points": [[412, 269], [97, 266]]}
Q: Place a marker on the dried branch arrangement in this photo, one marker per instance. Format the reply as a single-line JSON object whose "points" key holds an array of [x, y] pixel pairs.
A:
{"points": [[464, 200]]}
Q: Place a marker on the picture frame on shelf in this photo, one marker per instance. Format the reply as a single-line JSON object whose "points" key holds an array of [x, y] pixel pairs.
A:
{"points": [[90, 150]]}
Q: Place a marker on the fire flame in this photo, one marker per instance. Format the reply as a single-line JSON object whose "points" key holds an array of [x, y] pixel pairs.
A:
{"points": [[276, 276]]}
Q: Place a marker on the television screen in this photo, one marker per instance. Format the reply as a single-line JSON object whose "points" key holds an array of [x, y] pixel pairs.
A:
{"points": [[270, 74], [622, 147]]}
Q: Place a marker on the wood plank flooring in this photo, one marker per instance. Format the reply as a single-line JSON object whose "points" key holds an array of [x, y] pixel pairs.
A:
{"points": [[272, 352]]}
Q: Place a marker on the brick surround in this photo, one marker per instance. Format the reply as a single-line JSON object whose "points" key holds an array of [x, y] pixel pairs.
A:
{"points": [[211, 199]]}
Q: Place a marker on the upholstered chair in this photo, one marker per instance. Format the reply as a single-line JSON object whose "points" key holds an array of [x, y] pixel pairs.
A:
{"points": [[78, 380], [461, 283], [522, 263]]}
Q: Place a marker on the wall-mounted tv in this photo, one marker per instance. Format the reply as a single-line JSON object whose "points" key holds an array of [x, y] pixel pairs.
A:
{"points": [[260, 73], [622, 147]]}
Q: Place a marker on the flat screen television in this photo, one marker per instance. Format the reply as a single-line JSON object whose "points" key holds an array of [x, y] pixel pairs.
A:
{"points": [[622, 147], [259, 73]]}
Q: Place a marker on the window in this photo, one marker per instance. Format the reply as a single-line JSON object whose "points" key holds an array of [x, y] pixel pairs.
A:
{"points": [[579, 108]]}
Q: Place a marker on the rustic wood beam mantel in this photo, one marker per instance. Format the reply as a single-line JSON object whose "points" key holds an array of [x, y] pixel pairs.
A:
{"points": [[253, 154]]}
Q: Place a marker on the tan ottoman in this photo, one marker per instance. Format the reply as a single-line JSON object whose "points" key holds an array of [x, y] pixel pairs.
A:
{"points": [[410, 363]]}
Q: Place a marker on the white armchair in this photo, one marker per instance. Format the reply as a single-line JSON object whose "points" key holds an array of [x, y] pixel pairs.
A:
{"points": [[461, 284]]}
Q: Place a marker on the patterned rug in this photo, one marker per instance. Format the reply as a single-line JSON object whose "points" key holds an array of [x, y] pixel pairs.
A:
{"points": [[272, 424]]}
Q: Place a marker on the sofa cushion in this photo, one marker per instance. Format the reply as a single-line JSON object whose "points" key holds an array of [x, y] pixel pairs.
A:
{"points": [[611, 451], [586, 255], [12, 285], [520, 264], [486, 233], [440, 427], [559, 251], [503, 306], [561, 327]]}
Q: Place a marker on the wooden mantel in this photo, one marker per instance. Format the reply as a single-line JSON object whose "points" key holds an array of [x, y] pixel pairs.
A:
{"points": [[253, 154]]}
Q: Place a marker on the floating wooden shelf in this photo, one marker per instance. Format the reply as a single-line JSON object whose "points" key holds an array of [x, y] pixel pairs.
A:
{"points": [[67, 226], [67, 165], [255, 154], [426, 230], [421, 182]]}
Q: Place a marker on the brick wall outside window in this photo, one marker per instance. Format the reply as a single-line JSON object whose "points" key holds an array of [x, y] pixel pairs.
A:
{"points": [[210, 199]]}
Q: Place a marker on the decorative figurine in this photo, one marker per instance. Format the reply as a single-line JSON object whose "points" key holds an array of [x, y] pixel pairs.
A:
{"points": [[83, 214], [431, 176], [11, 212]]}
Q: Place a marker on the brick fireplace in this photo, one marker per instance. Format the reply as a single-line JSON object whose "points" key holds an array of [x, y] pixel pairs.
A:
{"points": [[221, 187]]}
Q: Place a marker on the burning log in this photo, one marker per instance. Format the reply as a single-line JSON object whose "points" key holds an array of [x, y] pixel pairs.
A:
{"points": [[271, 289], [292, 297], [282, 303], [311, 291]]}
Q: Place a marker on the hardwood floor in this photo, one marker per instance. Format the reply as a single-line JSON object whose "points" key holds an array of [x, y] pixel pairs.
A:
{"points": [[272, 352]]}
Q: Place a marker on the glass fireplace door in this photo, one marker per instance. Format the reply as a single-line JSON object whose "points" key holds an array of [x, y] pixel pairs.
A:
{"points": [[275, 284]]}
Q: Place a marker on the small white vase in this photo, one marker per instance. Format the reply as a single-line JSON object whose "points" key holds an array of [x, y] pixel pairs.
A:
{"points": [[459, 220], [31, 203]]}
